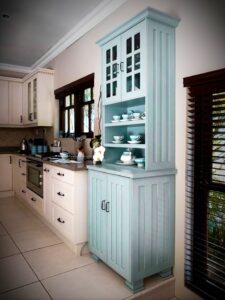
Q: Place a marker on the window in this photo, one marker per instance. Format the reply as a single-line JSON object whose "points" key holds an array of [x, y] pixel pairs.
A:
{"points": [[205, 185], [76, 102]]}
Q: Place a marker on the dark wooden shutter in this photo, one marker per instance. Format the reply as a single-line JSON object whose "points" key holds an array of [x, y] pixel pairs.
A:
{"points": [[205, 185]]}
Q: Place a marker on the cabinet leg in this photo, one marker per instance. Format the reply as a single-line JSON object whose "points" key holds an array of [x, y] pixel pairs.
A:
{"points": [[166, 273], [96, 258], [135, 286]]}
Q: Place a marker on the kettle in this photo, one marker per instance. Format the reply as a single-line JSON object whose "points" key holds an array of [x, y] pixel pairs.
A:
{"points": [[24, 146]]}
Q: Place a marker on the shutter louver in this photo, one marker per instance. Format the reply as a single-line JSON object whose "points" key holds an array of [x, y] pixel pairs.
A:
{"points": [[205, 185]]}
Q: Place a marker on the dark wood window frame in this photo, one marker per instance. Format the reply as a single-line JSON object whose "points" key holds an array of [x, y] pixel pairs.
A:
{"points": [[205, 185], [76, 90]]}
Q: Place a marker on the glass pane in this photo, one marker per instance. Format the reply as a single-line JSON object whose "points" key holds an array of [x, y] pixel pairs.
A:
{"points": [[108, 94], [85, 119], [66, 121], [67, 101], [92, 116], [137, 81], [129, 45], [108, 56], [129, 64], [114, 88], [114, 53], [129, 84], [115, 66], [72, 99], [72, 119], [108, 71], [137, 41], [87, 95], [137, 59]]}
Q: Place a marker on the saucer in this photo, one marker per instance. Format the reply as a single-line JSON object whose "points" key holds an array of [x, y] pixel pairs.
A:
{"points": [[136, 119], [124, 120], [127, 163], [134, 142], [117, 142], [115, 121]]}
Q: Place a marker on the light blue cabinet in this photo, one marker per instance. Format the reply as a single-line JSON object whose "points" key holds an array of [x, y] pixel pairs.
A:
{"points": [[131, 209], [138, 66], [133, 232]]}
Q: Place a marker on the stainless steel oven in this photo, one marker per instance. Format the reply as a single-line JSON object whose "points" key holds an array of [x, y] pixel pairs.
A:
{"points": [[35, 176]]}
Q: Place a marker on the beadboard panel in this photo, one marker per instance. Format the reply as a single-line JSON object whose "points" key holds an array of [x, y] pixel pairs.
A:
{"points": [[153, 226]]}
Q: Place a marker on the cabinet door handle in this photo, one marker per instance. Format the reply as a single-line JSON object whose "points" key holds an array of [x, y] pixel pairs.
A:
{"points": [[33, 199], [10, 160], [46, 170], [24, 174], [21, 119], [60, 174], [103, 204], [60, 220], [60, 194], [30, 117], [23, 191], [122, 66], [107, 207]]}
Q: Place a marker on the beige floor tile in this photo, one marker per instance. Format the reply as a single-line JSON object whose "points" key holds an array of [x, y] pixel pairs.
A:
{"points": [[56, 259], [34, 239], [2, 230], [26, 223], [7, 247], [93, 282], [34, 291], [15, 272]]}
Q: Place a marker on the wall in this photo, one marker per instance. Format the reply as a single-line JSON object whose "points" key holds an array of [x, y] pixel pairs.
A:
{"points": [[200, 41]]}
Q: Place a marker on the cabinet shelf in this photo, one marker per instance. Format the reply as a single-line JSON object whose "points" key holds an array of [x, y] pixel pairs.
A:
{"points": [[127, 123], [133, 146]]}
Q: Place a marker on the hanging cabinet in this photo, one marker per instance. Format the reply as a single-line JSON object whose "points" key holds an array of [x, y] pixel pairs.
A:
{"points": [[131, 209]]}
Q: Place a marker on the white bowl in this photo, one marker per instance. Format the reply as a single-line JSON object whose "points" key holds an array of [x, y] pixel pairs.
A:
{"points": [[118, 138], [64, 155], [116, 118]]}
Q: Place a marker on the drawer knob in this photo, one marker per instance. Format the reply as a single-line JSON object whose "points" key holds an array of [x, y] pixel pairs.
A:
{"points": [[60, 194], [33, 199], [46, 170], [60, 174], [23, 191], [60, 220]]}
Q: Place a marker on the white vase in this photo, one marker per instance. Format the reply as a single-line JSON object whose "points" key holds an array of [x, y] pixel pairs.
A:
{"points": [[80, 156]]}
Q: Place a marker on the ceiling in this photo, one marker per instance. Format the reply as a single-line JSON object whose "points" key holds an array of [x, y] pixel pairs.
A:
{"points": [[33, 32]]}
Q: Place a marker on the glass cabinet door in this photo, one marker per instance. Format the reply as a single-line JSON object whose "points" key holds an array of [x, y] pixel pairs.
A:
{"points": [[111, 71], [133, 62]]}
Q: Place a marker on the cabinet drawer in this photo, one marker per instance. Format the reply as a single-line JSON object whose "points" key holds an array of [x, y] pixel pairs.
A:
{"points": [[63, 175], [63, 195], [63, 221], [35, 201]]}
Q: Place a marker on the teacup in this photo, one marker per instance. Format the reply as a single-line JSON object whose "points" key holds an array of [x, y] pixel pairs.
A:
{"points": [[125, 116], [116, 118], [135, 137], [118, 138], [136, 115]]}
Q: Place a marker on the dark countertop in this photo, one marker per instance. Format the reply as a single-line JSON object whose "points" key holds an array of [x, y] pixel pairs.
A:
{"points": [[68, 166]]}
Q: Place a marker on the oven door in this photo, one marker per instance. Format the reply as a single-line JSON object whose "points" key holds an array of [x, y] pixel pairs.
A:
{"points": [[35, 177]]}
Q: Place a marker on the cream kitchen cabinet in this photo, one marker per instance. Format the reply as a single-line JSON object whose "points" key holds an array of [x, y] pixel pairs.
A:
{"points": [[34, 201], [65, 203], [11, 102], [19, 176], [6, 171], [38, 98]]}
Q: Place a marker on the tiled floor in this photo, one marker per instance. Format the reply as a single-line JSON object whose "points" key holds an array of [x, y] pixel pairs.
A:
{"points": [[36, 264]]}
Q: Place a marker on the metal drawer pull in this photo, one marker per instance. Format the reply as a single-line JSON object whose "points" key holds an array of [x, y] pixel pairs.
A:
{"points": [[23, 191], [33, 199], [46, 170], [103, 205], [60, 220], [24, 174], [107, 207], [60, 174], [60, 194]]}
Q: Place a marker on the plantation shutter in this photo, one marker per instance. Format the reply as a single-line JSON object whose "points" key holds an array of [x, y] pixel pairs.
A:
{"points": [[205, 185]]}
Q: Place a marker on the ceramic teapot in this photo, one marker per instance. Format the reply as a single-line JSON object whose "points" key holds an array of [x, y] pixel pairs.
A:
{"points": [[127, 156]]}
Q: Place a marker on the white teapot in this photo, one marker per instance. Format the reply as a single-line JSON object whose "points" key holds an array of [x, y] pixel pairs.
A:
{"points": [[127, 156]]}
